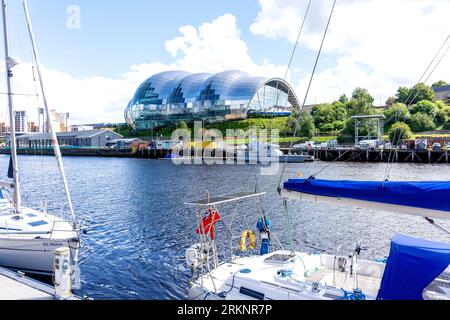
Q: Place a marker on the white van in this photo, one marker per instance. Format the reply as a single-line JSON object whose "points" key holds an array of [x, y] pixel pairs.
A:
{"points": [[368, 144]]}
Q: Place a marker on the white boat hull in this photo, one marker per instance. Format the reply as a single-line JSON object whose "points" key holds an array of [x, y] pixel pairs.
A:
{"points": [[311, 277], [33, 256]]}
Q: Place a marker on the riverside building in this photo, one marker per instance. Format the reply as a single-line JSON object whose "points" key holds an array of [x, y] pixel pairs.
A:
{"points": [[175, 96]]}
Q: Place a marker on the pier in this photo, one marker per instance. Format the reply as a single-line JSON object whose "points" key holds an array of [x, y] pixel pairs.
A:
{"points": [[335, 154], [16, 286], [381, 155]]}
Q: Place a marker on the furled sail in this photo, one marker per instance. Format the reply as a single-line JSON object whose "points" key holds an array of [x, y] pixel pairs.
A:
{"points": [[425, 198]]}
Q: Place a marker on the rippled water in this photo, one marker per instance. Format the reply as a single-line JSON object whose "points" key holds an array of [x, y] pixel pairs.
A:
{"points": [[139, 228]]}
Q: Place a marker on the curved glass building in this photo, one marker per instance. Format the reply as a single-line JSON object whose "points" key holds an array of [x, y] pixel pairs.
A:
{"points": [[173, 96]]}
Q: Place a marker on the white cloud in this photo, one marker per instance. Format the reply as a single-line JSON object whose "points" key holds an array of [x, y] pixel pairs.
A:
{"points": [[212, 47], [377, 44], [88, 100], [215, 47]]}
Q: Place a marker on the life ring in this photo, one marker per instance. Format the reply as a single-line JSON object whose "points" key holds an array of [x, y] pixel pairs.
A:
{"points": [[243, 243]]}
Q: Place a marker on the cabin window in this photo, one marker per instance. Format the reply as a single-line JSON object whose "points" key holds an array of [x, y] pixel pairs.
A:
{"points": [[16, 218], [38, 223]]}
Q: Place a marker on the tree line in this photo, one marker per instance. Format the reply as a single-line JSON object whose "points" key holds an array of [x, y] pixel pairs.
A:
{"points": [[411, 110]]}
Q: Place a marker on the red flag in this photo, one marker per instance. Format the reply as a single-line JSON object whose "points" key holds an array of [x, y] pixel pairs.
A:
{"points": [[210, 219]]}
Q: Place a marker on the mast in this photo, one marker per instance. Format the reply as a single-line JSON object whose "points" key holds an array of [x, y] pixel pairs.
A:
{"points": [[54, 138], [9, 63]]}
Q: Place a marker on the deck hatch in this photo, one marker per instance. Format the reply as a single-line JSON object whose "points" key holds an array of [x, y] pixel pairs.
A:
{"points": [[38, 223]]}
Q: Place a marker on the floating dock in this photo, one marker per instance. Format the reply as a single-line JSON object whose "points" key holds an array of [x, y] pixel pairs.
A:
{"points": [[16, 286]]}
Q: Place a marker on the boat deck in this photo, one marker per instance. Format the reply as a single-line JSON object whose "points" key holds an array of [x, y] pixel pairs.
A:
{"points": [[266, 278], [13, 286]]}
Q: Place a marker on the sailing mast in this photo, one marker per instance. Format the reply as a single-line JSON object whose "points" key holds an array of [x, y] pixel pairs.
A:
{"points": [[10, 63], [54, 138]]}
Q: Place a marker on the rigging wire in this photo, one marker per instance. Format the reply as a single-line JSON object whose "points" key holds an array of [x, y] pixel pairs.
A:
{"points": [[291, 59], [285, 204], [294, 51], [308, 89], [412, 91], [400, 133]]}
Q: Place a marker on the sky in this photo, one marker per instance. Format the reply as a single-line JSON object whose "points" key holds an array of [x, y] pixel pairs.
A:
{"points": [[94, 54]]}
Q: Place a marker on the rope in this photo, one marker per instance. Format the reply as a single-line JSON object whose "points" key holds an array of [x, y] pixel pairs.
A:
{"points": [[287, 69], [329, 165], [290, 236]]}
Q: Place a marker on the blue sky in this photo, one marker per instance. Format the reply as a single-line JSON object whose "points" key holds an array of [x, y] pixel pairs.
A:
{"points": [[117, 34], [92, 72]]}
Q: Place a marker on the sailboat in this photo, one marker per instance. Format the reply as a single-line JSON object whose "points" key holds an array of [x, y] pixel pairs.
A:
{"points": [[415, 269], [29, 237]]}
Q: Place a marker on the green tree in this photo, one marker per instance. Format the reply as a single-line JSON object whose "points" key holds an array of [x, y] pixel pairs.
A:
{"points": [[397, 112], [362, 94], [359, 107], [398, 132], [390, 101], [418, 93], [403, 95], [338, 125], [326, 115], [447, 124], [422, 122], [440, 104], [427, 107], [125, 130], [439, 83], [442, 116], [302, 123], [343, 98]]}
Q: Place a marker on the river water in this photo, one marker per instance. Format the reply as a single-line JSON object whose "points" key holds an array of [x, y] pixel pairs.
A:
{"points": [[139, 228]]}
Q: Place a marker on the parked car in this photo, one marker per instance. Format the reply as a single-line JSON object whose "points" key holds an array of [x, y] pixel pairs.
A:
{"points": [[367, 144], [332, 144], [421, 144], [436, 146]]}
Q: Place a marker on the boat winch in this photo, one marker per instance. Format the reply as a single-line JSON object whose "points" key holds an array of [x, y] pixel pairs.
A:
{"points": [[264, 226]]}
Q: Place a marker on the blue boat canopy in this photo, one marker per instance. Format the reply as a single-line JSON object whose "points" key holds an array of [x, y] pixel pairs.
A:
{"points": [[412, 265], [428, 199]]}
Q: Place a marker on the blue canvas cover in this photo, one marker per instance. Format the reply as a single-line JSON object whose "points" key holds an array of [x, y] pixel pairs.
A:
{"points": [[433, 195], [412, 265]]}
